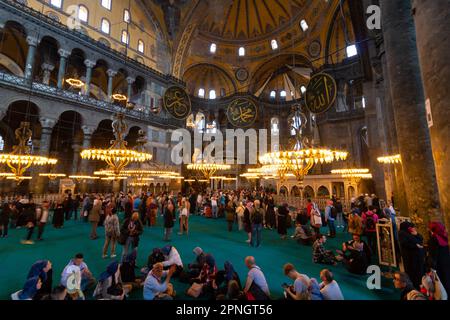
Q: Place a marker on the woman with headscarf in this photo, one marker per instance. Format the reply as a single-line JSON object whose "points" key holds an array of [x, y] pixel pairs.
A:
{"points": [[127, 270], [43, 270], [207, 277], [247, 222], [110, 286], [31, 287], [270, 213], [283, 215], [413, 252], [130, 232], [439, 254], [225, 276]]}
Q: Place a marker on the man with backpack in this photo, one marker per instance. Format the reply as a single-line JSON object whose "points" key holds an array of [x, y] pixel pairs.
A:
{"points": [[257, 224], [330, 217], [370, 220]]}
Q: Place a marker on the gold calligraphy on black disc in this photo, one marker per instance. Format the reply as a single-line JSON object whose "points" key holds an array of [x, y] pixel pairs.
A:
{"points": [[176, 102], [320, 93], [242, 112]]}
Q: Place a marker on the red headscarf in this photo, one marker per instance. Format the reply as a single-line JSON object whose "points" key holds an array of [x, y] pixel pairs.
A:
{"points": [[438, 231]]}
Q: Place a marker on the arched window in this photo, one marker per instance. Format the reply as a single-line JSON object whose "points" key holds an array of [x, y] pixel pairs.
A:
{"points": [[56, 3], [106, 26], [274, 126], [241, 51], [125, 37], [273, 94], [212, 94], [274, 44], [106, 4], [303, 89], [200, 122], [211, 127], [2, 143], [283, 94], [126, 16], [141, 46], [201, 93], [213, 48], [83, 13], [304, 25]]}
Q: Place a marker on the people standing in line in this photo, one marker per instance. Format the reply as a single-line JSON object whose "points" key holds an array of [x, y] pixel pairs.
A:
{"points": [[413, 252], [129, 233], [370, 220], [240, 216], [169, 219], [340, 214], [42, 218], [329, 287], [94, 217], [270, 213], [257, 224], [230, 215], [316, 218], [112, 230], [439, 253]]}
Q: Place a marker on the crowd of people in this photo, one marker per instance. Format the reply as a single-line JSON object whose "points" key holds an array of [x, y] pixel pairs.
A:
{"points": [[427, 265]]}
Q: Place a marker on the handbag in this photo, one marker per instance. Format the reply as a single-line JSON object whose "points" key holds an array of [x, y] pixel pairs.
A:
{"points": [[195, 290], [317, 219]]}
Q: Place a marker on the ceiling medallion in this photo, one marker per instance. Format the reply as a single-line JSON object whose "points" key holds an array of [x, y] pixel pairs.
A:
{"points": [[314, 49], [242, 74], [242, 112], [320, 93], [176, 102]]}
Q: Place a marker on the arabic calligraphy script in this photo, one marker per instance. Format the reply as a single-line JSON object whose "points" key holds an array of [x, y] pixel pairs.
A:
{"points": [[177, 103], [242, 112], [321, 93]]}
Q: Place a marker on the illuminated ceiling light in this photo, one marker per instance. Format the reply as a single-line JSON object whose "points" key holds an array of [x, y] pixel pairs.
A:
{"points": [[395, 159], [52, 176], [75, 83], [119, 97], [208, 169]]}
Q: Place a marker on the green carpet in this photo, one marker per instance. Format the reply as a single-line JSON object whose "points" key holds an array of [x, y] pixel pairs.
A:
{"points": [[60, 245]]}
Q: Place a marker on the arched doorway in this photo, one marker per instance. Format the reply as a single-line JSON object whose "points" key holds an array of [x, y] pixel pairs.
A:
{"points": [[323, 192], [284, 191], [308, 192]]}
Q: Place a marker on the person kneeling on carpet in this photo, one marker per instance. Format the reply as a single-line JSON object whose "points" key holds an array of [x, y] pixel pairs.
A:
{"points": [[320, 255], [110, 286], [154, 288], [172, 257]]}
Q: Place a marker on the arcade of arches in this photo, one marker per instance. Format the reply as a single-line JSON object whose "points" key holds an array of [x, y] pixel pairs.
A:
{"points": [[69, 67]]}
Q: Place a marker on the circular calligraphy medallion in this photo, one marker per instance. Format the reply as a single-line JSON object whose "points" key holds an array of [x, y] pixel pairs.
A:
{"points": [[242, 74], [321, 93], [242, 112], [176, 102]]}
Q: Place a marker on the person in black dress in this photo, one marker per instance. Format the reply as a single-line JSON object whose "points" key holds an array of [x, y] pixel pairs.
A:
{"points": [[439, 253], [247, 222], [58, 216], [413, 252], [283, 214], [270, 213]]}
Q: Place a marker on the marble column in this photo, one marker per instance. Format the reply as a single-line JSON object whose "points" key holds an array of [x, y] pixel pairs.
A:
{"points": [[63, 55], [47, 125], [130, 81], [432, 19], [89, 67], [111, 74], [31, 56], [409, 109], [76, 158], [84, 164], [47, 69]]}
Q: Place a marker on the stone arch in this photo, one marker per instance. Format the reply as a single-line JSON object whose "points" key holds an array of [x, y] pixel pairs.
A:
{"points": [[133, 134], [9, 65], [284, 191], [47, 61], [13, 42], [323, 192], [308, 192]]}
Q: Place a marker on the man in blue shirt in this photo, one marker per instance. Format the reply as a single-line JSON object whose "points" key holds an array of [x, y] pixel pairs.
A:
{"points": [[154, 287]]}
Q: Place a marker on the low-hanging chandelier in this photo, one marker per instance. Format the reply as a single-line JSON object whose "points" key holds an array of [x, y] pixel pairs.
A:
{"points": [[118, 156], [394, 159], [208, 169], [21, 159]]}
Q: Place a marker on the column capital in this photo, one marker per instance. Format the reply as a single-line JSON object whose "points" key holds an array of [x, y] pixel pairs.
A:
{"points": [[131, 80], [47, 66], [111, 73], [87, 130], [64, 53], [32, 41], [89, 63], [47, 123]]}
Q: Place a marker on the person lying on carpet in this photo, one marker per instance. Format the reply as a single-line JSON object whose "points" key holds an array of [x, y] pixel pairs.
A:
{"points": [[155, 288], [110, 285], [87, 279], [320, 254], [31, 287], [172, 257], [43, 270]]}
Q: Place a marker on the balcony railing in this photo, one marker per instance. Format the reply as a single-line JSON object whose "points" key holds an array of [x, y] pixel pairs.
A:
{"points": [[36, 88]]}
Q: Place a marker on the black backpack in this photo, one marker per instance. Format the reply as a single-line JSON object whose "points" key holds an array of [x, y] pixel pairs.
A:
{"points": [[257, 217]]}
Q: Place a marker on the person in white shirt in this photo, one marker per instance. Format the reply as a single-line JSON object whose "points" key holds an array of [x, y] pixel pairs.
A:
{"points": [[172, 257], [329, 287], [199, 203], [87, 279]]}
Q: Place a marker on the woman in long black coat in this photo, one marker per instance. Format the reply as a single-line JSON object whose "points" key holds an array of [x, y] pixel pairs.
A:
{"points": [[439, 253], [270, 213], [283, 214], [413, 253], [58, 216]]}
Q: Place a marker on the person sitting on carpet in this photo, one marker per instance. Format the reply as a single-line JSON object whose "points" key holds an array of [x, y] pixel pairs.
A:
{"points": [[205, 283], [72, 282], [43, 270], [303, 234], [31, 287], [329, 287], [154, 288], [300, 289], [355, 255], [320, 255], [224, 277], [59, 293], [196, 266], [127, 270], [256, 287], [110, 286], [403, 282], [234, 292], [155, 257], [87, 279], [172, 257]]}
